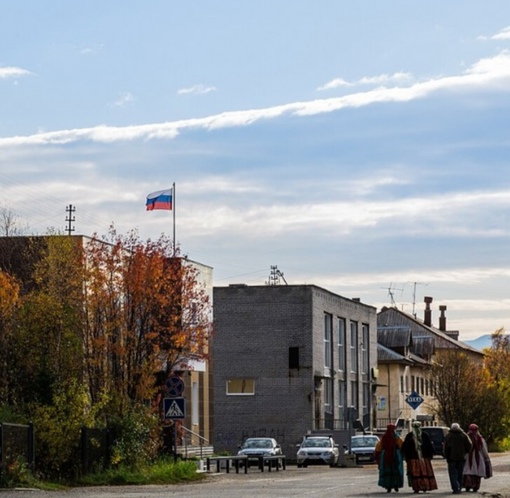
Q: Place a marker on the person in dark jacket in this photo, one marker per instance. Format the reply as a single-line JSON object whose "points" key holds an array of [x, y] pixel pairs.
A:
{"points": [[456, 446], [418, 452]]}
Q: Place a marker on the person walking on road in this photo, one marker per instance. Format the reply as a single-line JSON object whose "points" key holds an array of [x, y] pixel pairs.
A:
{"points": [[389, 460], [456, 446], [418, 451], [474, 466]]}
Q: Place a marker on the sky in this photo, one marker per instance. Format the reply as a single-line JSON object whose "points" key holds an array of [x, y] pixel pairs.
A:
{"points": [[359, 146]]}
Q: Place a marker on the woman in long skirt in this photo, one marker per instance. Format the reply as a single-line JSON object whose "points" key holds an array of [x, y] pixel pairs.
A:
{"points": [[474, 468], [389, 460], [418, 451]]}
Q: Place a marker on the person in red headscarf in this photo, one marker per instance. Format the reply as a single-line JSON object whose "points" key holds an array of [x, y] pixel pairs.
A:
{"points": [[474, 466], [389, 460]]}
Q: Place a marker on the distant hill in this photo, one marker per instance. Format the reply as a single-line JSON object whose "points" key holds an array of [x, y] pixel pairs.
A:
{"points": [[481, 342]]}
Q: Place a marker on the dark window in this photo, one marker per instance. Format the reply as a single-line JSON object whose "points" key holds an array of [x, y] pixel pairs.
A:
{"points": [[293, 357]]}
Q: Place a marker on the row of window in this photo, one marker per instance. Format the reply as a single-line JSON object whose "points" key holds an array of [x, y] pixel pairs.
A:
{"points": [[421, 385], [355, 346], [246, 387]]}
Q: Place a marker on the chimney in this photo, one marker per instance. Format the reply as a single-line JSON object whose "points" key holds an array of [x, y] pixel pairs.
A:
{"points": [[442, 318], [427, 319]]}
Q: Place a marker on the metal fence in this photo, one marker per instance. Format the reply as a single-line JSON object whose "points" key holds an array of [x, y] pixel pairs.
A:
{"points": [[96, 447], [16, 442]]}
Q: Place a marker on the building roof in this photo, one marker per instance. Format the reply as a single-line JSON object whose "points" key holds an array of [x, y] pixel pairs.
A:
{"points": [[393, 317], [395, 337], [387, 355]]}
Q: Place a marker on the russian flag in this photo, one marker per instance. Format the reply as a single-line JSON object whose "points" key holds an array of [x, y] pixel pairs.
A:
{"points": [[162, 199]]}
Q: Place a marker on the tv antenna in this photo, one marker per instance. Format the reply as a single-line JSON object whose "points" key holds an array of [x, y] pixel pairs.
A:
{"points": [[276, 276], [391, 293], [414, 296]]}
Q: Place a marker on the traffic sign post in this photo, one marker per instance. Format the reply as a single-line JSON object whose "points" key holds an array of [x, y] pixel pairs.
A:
{"points": [[174, 386], [174, 408], [414, 400]]}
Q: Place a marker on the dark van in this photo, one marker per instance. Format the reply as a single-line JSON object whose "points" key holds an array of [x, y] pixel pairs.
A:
{"points": [[437, 436]]}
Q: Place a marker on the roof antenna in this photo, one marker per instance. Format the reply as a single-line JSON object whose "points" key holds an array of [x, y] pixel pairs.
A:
{"points": [[414, 296], [391, 293], [276, 276]]}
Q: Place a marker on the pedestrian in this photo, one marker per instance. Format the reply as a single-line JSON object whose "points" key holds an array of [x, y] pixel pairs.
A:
{"points": [[418, 451], [456, 446], [474, 467], [389, 460]]}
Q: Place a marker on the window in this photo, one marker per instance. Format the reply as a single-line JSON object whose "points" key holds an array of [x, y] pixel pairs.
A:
{"points": [[294, 357], [401, 383], [366, 396], [354, 394], [341, 344], [194, 404], [328, 326], [328, 395], [341, 399], [354, 346], [365, 338], [241, 387]]}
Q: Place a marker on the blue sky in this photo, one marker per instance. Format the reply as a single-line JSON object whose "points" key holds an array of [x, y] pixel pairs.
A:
{"points": [[360, 146]]}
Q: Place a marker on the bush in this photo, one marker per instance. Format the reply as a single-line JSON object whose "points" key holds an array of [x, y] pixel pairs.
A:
{"points": [[138, 438]]}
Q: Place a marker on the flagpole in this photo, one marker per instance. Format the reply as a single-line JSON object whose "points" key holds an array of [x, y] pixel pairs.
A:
{"points": [[173, 210]]}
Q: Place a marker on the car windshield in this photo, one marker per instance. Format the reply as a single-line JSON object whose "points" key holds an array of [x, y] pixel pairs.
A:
{"points": [[257, 443], [316, 443], [363, 442]]}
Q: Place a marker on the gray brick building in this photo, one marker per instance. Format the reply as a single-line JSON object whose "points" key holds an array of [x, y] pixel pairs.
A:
{"points": [[288, 360]]}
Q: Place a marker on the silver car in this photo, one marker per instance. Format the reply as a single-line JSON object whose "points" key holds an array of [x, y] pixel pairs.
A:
{"points": [[317, 450], [257, 447]]}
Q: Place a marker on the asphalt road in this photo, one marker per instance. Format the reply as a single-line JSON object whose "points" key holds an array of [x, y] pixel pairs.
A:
{"points": [[315, 482]]}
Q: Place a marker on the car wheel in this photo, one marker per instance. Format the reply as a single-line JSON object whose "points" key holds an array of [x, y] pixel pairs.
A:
{"points": [[305, 465], [299, 465]]}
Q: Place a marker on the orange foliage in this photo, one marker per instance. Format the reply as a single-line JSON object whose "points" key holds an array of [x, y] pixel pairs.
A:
{"points": [[145, 311]]}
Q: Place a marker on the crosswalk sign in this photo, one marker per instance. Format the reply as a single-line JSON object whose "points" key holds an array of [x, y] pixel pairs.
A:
{"points": [[174, 408]]}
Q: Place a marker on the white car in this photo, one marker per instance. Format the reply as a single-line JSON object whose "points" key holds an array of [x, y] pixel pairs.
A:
{"points": [[318, 450]]}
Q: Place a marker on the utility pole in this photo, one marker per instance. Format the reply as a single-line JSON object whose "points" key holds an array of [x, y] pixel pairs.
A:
{"points": [[275, 276], [70, 218]]}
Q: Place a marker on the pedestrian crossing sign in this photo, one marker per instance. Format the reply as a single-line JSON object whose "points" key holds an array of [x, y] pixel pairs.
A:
{"points": [[174, 408]]}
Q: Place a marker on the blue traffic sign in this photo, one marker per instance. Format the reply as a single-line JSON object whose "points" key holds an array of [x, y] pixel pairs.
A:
{"points": [[174, 386], [414, 400], [174, 408]]}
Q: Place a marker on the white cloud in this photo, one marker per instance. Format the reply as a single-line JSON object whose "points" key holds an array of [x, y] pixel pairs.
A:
{"points": [[504, 34], [196, 89], [486, 73], [124, 99], [13, 72], [383, 79], [336, 83]]}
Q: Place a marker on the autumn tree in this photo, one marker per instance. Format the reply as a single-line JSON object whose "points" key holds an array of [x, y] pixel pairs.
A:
{"points": [[496, 403], [458, 382], [47, 350], [9, 302], [145, 312]]}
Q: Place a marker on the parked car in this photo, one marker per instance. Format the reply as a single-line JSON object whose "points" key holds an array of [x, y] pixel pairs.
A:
{"points": [[259, 446], [437, 436], [363, 447], [317, 450]]}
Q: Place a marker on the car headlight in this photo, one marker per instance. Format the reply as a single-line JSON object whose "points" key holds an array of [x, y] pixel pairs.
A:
{"points": [[301, 453]]}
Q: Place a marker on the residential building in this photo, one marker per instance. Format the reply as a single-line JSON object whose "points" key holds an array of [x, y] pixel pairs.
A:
{"points": [[288, 360], [405, 350]]}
